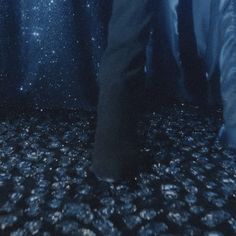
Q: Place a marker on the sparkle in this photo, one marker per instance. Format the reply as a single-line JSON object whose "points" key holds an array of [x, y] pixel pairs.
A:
{"points": [[54, 60], [36, 34]]}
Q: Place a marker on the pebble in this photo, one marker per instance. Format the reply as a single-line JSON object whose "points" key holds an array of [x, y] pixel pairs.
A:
{"points": [[45, 186]]}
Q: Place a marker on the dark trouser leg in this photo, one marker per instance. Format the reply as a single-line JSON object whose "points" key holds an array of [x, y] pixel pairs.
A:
{"points": [[121, 81], [228, 69]]}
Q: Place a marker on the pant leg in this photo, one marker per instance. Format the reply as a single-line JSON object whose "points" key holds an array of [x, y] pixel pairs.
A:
{"points": [[228, 67], [121, 82]]}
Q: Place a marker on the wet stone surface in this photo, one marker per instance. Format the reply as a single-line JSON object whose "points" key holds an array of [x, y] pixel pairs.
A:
{"points": [[45, 188]]}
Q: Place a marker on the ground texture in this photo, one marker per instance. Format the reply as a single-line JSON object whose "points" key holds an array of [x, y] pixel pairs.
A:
{"points": [[45, 188]]}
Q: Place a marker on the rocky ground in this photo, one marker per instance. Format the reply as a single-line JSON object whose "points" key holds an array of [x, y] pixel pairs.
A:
{"points": [[45, 188]]}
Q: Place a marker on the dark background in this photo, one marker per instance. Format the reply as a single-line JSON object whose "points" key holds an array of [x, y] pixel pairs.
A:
{"points": [[50, 52]]}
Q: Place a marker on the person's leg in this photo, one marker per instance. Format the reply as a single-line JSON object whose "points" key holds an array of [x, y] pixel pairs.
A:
{"points": [[228, 69], [121, 79]]}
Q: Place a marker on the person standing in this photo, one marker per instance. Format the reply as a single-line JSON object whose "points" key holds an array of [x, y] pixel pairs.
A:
{"points": [[122, 88]]}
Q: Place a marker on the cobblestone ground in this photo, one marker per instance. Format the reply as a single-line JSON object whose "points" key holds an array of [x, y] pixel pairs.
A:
{"points": [[45, 189]]}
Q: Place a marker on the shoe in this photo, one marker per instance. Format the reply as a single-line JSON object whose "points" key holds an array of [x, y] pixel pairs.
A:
{"points": [[119, 171], [222, 135], [227, 138]]}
